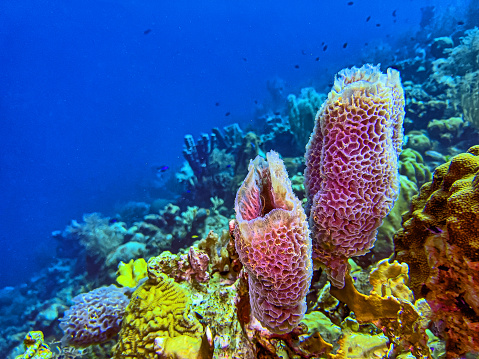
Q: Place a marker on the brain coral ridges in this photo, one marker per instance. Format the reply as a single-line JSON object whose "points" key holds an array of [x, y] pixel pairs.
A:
{"points": [[272, 239], [440, 243], [351, 175]]}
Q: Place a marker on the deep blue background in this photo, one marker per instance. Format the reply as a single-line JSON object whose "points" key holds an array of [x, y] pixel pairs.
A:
{"points": [[88, 102]]}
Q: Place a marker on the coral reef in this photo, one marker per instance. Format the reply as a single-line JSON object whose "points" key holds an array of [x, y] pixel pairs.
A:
{"points": [[35, 347], [129, 274], [159, 308], [439, 242], [411, 165], [95, 317], [302, 112], [391, 307], [97, 234], [351, 176], [272, 240]]}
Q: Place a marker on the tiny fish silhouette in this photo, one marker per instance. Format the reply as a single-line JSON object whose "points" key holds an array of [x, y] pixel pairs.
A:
{"points": [[227, 113], [460, 22], [325, 47], [345, 45], [317, 58], [368, 18], [350, 3], [245, 59], [394, 13], [147, 31], [217, 104], [296, 66], [378, 25]]}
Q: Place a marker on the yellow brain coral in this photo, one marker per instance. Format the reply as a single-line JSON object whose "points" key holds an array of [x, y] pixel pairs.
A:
{"points": [[440, 244], [159, 308]]}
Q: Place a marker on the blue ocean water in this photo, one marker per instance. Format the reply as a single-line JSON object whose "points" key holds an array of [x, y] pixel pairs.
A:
{"points": [[95, 93]]}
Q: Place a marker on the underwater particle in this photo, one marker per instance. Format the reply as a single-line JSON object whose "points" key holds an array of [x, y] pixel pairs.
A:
{"points": [[345, 45], [317, 58], [147, 31], [296, 66], [245, 59], [325, 47], [366, 44], [460, 23], [350, 3], [217, 104], [227, 113], [368, 18], [255, 102]]}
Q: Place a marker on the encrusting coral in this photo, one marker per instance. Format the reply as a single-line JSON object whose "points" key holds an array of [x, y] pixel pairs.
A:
{"points": [[351, 176], [272, 240], [440, 243]]}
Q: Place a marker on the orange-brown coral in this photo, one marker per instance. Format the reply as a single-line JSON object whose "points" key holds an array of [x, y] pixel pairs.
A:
{"points": [[440, 243]]}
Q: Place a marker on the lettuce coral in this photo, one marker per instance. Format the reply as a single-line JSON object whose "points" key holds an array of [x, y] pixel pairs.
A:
{"points": [[95, 317], [351, 175], [272, 240]]}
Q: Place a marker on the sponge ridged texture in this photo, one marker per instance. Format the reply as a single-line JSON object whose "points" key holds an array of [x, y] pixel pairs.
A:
{"points": [[351, 176], [272, 240]]}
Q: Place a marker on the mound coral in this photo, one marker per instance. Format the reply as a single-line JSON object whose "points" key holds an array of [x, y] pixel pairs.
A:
{"points": [[440, 244], [351, 176], [95, 317], [272, 240], [159, 308]]}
